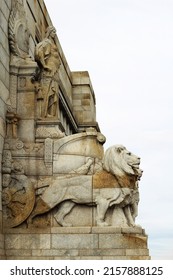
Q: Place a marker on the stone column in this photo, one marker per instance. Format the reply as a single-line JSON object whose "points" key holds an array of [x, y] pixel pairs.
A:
{"points": [[4, 96]]}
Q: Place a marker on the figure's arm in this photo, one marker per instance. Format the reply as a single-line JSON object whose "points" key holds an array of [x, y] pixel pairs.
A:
{"points": [[42, 52]]}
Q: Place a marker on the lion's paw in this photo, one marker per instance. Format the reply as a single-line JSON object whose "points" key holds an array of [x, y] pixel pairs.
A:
{"points": [[66, 224], [102, 224]]}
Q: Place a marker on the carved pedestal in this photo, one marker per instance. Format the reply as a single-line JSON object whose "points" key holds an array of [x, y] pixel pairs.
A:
{"points": [[78, 243], [48, 128]]}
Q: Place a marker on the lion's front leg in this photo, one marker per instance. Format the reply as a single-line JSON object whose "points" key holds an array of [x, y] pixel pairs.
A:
{"points": [[134, 210], [128, 216], [63, 210], [102, 206], [40, 208]]}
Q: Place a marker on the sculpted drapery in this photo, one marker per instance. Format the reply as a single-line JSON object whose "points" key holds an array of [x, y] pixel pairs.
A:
{"points": [[47, 57]]}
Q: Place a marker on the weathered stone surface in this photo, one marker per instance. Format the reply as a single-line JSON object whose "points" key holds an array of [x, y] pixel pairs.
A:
{"points": [[15, 253], [4, 93], [2, 127], [70, 230], [74, 144], [26, 130], [81, 216], [55, 253], [132, 230], [1, 228], [74, 241], [26, 105], [82, 84], [63, 196], [1, 241], [123, 241], [47, 88], [104, 179], [18, 198], [64, 164], [102, 252], [27, 230], [137, 252], [101, 230], [2, 109], [27, 241], [0, 204], [73, 245]]}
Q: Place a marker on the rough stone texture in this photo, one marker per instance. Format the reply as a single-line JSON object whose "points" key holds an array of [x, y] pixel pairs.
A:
{"points": [[4, 94], [53, 169], [83, 98], [2, 250], [78, 243]]}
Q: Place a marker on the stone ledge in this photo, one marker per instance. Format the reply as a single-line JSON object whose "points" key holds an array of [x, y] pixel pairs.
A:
{"points": [[106, 230], [71, 230], [132, 230], [32, 230], [102, 252], [23, 252], [77, 258], [137, 252], [79, 230], [28, 258], [84, 245]]}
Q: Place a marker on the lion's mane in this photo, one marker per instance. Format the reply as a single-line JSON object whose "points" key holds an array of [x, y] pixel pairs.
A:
{"points": [[125, 170]]}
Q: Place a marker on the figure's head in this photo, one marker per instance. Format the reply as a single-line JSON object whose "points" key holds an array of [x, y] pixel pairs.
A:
{"points": [[119, 161], [18, 168], [50, 32]]}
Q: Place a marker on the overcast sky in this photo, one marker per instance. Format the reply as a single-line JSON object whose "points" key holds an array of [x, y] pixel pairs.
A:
{"points": [[127, 47]]}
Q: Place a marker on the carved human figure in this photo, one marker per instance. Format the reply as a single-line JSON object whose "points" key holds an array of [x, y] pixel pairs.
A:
{"points": [[47, 57], [12, 125]]}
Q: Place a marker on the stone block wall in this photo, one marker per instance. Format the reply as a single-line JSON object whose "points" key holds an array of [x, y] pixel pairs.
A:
{"points": [[4, 93], [83, 99], [79, 243]]}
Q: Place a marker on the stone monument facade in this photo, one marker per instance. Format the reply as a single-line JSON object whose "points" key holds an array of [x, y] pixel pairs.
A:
{"points": [[62, 195]]}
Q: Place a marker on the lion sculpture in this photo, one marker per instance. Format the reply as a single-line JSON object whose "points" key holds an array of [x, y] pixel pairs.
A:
{"points": [[115, 185]]}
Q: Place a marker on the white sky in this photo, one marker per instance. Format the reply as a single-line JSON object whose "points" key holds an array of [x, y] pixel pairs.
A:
{"points": [[127, 47]]}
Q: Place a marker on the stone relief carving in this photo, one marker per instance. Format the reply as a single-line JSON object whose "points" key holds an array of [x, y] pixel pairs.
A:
{"points": [[47, 78], [116, 185], [18, 193], [85, 168], [103, 181], [18, 32], [79, 171], [18, 197], [81, 175], [49, 132], [12, 124], [7, 161], [19, 148]]}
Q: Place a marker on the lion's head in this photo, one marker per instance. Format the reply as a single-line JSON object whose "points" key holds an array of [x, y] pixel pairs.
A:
{"points": [[123, 164]]}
